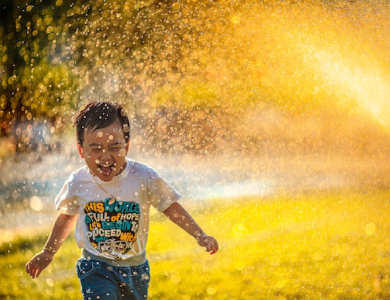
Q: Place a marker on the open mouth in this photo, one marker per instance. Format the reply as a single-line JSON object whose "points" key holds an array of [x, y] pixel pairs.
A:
{"points": [[106, 169]]}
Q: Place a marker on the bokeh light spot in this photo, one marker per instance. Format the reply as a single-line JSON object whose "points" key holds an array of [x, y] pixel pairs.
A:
{"points": [[211, 290], [36, 203], [370, 229], [50, 282], [236, 20], [8, 236]]}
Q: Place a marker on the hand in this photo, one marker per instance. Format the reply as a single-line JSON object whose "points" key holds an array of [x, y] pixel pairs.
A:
{"points": [[38, 263], [209, 242]]}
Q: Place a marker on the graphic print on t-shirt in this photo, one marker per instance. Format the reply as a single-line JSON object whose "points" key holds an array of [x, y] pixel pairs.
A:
{"points": [[112, 226]]}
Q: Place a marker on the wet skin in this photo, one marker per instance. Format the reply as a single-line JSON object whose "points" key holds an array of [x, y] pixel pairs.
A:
{"points": [[104, 151]]}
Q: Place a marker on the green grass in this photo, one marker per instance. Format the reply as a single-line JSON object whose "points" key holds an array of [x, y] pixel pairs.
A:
{"points": [[316, 246]]}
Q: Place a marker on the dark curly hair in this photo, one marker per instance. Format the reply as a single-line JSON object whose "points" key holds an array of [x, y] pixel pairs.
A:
{"points": [[100, 114]]}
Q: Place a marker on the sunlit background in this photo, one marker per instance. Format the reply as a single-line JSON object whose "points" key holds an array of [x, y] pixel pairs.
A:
{"points": [[228, 100]]}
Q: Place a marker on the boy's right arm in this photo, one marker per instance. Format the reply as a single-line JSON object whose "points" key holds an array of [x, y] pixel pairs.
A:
{"points": [[61, 229]]}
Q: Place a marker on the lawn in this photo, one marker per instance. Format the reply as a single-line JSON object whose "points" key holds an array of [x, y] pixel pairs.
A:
{"points": [[314, 246]]}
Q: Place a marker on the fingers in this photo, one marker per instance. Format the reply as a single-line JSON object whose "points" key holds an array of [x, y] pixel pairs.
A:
{"points": [[214, 249], [38, 271], [38, 263], [29, 269], [32, 270], [211, 245]]}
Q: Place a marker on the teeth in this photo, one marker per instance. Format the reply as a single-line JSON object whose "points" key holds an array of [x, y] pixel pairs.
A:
{"points": [[102, 168], [106, 165]]}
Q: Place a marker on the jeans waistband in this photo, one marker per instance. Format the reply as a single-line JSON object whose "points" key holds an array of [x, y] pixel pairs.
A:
{"points": [[129, 262]]}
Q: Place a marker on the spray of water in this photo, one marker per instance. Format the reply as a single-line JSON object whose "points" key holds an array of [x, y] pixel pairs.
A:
{"points": [[300, 87], [197, 76], [272, 78]]}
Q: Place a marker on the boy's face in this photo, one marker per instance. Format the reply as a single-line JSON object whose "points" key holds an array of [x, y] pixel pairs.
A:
{"points": [[104, 151]]}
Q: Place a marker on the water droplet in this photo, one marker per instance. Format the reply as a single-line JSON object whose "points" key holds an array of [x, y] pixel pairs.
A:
{"points": [[50, 282], [36, 203], [235, 19]]}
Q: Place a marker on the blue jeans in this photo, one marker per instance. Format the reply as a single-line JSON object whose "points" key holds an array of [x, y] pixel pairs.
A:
{"points": [[100, 280]]}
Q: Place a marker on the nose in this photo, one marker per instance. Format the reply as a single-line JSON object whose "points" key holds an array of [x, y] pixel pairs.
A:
{"points": [[105, 155]]}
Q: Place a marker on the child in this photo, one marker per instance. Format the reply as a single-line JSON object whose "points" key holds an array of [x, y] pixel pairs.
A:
{"points": [[109, 199]]}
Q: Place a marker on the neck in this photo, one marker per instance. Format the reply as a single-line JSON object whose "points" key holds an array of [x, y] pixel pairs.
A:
{"points": [[122, 168]]}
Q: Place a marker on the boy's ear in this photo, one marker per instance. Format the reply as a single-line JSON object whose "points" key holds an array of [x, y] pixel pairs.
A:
{"points": [[81, 150], [127, 146]]}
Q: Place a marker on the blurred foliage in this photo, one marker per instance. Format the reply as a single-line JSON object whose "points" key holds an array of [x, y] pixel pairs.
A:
{"points": [[199, 66], [22, 244], [34, 79], [314, 246]]}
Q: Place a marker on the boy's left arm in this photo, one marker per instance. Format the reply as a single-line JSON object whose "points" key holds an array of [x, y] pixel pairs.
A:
{"points": [[178, 215]]}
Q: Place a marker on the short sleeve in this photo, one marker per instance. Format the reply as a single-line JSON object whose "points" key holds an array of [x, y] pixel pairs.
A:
{"points": [[66, 202], [161, 194]]}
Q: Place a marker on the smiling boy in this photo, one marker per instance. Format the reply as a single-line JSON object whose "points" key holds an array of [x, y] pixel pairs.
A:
{"points": [[109, 199]]}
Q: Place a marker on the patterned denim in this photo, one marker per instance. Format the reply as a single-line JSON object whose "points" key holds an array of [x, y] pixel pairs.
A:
{"points": [[100, 280]]}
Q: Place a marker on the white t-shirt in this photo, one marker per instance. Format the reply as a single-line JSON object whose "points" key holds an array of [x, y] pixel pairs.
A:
{"points": [[114, 228]]}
